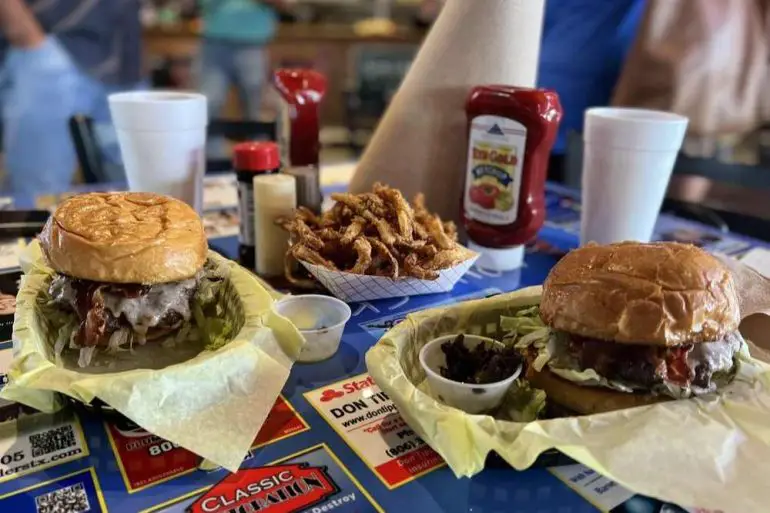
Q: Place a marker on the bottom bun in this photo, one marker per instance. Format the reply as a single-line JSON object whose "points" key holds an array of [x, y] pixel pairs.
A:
{"points": [[586, 400]]}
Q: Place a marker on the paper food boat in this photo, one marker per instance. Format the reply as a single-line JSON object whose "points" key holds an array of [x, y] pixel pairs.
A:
{"points": [[351, 287]]}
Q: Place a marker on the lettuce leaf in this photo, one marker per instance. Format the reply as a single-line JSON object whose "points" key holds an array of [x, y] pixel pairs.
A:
{"points": [[214, 330], [589, 377], [523, 322], [525, 329], [524, 402], [211, 323]]}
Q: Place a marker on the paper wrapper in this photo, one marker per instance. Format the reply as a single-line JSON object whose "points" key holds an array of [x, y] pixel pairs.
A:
{"points": [[705, 452], [422, 140], [357, 287], [213, 404], [755, 306]]}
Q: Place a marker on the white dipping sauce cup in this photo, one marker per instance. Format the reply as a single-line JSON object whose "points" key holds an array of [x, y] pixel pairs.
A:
{"points": [[321, 321], [469, 397], [162, 137], [628, 158]]}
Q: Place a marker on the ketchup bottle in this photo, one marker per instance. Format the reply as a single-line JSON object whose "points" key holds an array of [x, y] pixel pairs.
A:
{"points": [[249, 160], [301, 91], [510, 134]]}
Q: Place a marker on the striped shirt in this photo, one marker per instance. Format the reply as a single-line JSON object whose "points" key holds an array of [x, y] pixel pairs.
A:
{"points": [[102, 36]]}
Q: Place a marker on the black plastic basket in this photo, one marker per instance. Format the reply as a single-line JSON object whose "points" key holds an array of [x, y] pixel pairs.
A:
{"points": [[550, 458], [96, 407]]}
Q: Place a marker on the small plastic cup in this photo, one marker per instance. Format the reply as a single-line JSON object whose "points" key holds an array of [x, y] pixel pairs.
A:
{"points": [[320, 320], [469, 397], [627, 163], [162, 138]]}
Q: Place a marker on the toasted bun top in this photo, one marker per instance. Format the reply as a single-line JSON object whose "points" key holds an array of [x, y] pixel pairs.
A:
{"points": [[126, 237], [659, 294], [587, 400]]}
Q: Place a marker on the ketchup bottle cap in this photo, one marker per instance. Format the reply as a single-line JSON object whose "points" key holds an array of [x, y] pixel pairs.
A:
{"points": [[498, 259], [256, 156]]}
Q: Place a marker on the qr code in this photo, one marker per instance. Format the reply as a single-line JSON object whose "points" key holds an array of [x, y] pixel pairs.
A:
{"points": [[72, 499], [51, 441]]}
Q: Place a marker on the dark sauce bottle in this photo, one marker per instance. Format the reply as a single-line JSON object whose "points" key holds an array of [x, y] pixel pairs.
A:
{"points": [[249, 160]]}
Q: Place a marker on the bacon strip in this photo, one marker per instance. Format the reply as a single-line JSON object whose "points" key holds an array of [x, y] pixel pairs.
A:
{"points": [[97, 323]]}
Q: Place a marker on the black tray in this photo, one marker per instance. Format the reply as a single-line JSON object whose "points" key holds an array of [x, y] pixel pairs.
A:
{"points": [[550, 458], [97, 407]]}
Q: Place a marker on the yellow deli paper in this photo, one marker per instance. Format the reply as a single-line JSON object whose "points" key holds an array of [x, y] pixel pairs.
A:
{"points": [[698, 453], [212, 404]]}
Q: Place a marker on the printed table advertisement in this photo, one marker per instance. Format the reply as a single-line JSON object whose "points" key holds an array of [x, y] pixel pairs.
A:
{"points": [[610, 497], [75, 493], [9, 287], [8, 409], [146, 460], [313, 481], [39, 441], [369, 423]]}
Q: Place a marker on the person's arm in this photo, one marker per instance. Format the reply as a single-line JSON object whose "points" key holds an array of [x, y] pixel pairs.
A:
{"points": [[18, 24]]}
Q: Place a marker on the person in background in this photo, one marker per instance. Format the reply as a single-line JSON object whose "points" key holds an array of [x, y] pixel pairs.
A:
{"points": [[61, 58], [584, 46], [427, 12], [235, 33]]}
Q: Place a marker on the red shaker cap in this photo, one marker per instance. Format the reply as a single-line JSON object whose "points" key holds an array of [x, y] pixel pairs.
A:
{"points": [[256, 156]]}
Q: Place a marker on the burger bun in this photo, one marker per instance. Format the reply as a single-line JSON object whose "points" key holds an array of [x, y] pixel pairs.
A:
{"points": [[662, 293], [126, 237]]}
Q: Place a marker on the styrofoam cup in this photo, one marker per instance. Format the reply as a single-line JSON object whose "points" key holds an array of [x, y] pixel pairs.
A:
{"points": [[321, 321], [162, 137], [469, 397], [628, 158]]}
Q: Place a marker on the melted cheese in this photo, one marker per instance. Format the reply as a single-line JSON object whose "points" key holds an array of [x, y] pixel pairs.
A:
{"points": [[148, 310], [142, 313], [718, 356]]}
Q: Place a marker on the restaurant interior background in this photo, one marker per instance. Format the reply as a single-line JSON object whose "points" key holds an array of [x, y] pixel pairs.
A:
{"points": [[365, 47], [363, 62]]}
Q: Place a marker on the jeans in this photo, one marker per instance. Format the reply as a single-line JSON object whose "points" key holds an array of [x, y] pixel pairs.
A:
{"points": [[223, 64], [226, 63], [42, 88]]}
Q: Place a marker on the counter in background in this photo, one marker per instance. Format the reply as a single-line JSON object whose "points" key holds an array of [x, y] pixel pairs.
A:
{"points": [[329, 48]]}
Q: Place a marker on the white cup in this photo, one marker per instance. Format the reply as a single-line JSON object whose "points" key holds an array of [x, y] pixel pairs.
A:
{"points": [[628, 158], [321, 321], [162, 136], [469, 397]]}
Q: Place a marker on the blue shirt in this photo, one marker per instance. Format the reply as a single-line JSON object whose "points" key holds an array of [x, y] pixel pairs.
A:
{"points": [[584, 45], [243, 21], [103, 37]]}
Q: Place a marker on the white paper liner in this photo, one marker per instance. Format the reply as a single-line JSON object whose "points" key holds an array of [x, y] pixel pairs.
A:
{"points": [[357, 287], [705, 452], [213, 404]]}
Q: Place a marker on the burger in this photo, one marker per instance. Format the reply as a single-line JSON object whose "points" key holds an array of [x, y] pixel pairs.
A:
{"points": [[634, 324], [127, 267]]}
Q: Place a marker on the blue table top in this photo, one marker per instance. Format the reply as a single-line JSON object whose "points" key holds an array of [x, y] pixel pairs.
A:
{"points": [[91, 475]]}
